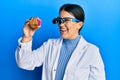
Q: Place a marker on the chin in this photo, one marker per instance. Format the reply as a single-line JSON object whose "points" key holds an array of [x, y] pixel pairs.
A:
{"points": [[64, 36]]}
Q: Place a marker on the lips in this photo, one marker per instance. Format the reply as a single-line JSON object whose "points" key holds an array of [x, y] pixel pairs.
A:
{"points": [[63, 30]]}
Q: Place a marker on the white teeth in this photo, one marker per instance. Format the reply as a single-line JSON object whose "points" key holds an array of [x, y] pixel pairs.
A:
{"points": [[63, 29]]}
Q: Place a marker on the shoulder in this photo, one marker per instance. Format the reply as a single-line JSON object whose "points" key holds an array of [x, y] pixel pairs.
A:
{"points": [[95, 56], [88, 44], [93, 53], [90, 48], [93, 50], [93, 46]]}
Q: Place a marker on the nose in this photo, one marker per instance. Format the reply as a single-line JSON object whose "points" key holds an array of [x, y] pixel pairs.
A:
{"points": [[61, 25]]}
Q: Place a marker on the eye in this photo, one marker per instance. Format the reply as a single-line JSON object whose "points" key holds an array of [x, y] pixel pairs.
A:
{"points": [[67, 19]]}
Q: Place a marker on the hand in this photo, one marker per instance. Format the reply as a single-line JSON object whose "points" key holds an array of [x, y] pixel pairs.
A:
{"points": [[28, 32]]}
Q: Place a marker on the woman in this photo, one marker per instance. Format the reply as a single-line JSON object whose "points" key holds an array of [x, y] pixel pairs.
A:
{"points": [[70, 57]]}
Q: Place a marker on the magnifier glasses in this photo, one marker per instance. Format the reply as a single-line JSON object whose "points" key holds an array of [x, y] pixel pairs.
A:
{"points": [[60, 20]]}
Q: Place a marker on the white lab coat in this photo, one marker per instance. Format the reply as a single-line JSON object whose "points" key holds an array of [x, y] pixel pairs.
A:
{"points": [[84, 64]]}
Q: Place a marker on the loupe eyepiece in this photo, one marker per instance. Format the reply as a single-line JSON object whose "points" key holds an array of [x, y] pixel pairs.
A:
{"points": [[58, 20], [54, 21]]}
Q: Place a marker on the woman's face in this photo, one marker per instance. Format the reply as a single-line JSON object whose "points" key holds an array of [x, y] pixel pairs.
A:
{"points": [[69, 29]]}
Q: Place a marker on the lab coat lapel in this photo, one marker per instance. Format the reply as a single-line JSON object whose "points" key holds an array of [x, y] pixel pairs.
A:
{"points": [[76, 53], [58, 47]]}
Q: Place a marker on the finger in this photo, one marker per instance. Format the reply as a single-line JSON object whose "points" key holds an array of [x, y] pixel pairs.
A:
{"points": [[30, 18], [26, 22]]}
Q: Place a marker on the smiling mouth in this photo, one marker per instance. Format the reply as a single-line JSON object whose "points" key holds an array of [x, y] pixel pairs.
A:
{"points": [[62, 30]]}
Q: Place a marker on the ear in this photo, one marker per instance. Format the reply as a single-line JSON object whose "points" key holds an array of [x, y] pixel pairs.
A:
{"points": [[80, 24]]}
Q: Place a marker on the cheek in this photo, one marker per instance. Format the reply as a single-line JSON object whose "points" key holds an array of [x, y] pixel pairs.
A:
{"points": [[72, 28]]}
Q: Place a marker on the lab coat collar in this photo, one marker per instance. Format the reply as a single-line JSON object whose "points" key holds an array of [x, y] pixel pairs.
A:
{"points": [[77, 52], [81, 45]]}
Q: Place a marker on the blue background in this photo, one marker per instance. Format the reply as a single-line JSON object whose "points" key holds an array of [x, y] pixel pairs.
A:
{"points": [[101, 27]]}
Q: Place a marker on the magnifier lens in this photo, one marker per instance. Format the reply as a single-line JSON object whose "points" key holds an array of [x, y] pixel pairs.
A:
{"points": [[54, 21], [58, 20]]}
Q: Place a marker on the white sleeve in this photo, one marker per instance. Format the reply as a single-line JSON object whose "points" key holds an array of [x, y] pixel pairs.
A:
{"points": [[28, 59], [97, 71]]}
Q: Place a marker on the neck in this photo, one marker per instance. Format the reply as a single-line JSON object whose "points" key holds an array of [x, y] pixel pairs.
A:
{"points": [[71, 42], [72, 37]]}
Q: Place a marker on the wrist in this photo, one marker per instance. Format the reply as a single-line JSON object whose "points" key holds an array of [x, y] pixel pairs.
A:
{"points": [[26, 39]]}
